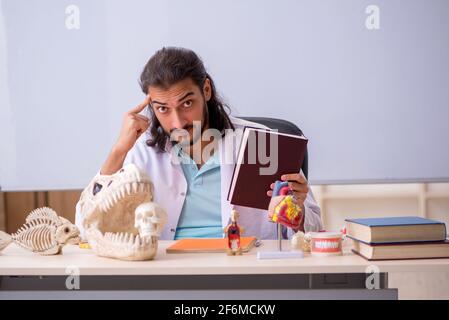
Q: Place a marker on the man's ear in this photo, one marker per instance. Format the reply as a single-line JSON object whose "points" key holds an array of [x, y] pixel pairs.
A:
{"points": [[207, 89]]}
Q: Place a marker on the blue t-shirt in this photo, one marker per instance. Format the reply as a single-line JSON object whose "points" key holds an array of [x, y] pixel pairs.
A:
{"points": [[201, 212]]}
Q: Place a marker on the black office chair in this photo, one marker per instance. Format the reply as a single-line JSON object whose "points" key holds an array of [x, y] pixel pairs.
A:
{"points": [[283, 126]]}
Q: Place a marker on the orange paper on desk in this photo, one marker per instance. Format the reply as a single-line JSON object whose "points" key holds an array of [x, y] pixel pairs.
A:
{"points": [[208, 245]]}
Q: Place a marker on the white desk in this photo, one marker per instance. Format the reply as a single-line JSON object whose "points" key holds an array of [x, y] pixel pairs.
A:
{"points": [[193, 276]]}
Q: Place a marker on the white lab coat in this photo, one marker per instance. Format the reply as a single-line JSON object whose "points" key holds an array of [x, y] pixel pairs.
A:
{"points": [[170, 187]]}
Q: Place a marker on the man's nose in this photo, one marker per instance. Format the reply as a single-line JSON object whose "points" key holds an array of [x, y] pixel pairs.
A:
{"points": [[177, 121]]}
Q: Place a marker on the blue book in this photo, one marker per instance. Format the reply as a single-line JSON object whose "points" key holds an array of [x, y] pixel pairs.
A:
{"points": [[395, 230]]}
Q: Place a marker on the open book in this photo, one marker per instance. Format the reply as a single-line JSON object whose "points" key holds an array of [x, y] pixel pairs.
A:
{"points": [[264, 156]]}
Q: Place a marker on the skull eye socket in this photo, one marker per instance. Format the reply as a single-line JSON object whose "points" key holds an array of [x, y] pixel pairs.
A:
{"points": [[97, 188]]}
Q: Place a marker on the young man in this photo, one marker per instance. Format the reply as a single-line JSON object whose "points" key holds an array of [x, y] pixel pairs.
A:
{"points": [[191, 183]]}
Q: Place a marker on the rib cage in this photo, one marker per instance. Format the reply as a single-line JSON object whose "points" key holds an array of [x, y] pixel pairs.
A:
{"points": [[37, 235]]}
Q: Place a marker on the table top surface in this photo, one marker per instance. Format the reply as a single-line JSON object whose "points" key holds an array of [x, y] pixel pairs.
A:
{"points": [[17, 261]]}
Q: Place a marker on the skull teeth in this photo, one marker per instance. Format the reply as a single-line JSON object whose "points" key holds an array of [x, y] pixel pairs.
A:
{"points": [[131, 240], [123, 191], [128, 240], [110, 203], [137, 241]]}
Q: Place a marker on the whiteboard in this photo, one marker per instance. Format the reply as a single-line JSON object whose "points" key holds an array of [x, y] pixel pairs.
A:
{"points": [[373, 101]]}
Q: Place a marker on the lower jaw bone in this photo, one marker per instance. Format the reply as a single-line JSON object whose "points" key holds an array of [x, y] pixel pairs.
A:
{"points": [[146, 232], [125, 246]]}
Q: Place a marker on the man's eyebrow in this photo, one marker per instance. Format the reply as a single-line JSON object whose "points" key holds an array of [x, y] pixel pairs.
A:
{"points": [[161, 103], [164, 103], [185, 96]]}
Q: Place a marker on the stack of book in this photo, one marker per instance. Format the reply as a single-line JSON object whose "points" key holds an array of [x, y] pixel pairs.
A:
{"points": [[398, 238]]}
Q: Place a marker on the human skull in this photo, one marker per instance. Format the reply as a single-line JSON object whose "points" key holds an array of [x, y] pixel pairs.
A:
{"points": [[150, 219]]}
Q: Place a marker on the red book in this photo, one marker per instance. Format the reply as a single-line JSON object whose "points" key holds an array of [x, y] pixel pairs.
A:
{"points": [[264, 156]]}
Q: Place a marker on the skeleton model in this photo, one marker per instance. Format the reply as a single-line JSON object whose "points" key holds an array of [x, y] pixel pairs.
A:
{"points": [[119, 218], [44, 232]]}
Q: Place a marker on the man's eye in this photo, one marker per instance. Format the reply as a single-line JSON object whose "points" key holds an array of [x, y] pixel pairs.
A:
{"points": [[162, 109], [188, 103]]}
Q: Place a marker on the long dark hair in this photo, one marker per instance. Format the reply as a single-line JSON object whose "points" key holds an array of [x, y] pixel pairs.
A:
{"points": [[170, 65]]}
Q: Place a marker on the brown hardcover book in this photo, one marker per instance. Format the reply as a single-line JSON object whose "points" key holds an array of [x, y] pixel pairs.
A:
{"points": [[399, 251], [209, 245], [259, 164]]}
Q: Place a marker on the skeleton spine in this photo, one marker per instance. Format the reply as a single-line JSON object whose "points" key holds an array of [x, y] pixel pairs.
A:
{"points": [[35, 236]]}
